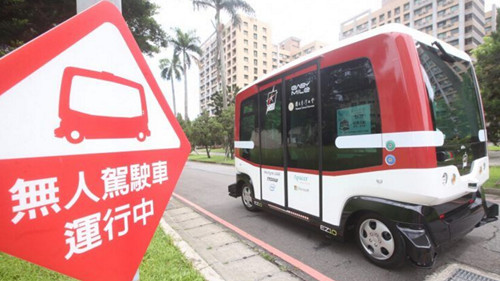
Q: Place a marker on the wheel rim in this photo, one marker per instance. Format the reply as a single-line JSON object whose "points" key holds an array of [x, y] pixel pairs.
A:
{"points": [[376, 239], [246, 194]]}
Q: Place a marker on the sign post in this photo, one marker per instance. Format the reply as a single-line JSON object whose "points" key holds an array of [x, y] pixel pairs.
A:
{"points": [[89, 152]]}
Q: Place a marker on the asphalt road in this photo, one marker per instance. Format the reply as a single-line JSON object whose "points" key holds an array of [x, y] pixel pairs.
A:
{"points": [[206, 185]]}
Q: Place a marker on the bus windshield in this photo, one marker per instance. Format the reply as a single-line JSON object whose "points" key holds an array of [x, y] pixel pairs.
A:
{"points": [[456, 109], [104, 98], [453, 96]]}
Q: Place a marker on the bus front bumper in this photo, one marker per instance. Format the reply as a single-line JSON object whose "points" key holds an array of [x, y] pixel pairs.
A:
{"points": [[422, 243]]}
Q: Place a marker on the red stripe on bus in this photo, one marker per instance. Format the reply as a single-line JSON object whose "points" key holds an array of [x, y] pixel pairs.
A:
{"points": [[298, 264]]}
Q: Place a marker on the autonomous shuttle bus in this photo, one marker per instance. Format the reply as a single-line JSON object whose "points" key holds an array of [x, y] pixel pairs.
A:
{"points": [[381, 138]]}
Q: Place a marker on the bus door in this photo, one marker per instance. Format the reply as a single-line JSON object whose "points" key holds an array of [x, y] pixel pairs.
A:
{"points": [[302, 132], [272, 140]]}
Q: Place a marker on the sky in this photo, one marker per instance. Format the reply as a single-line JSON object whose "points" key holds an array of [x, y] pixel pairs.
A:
{"points": [[308, 20]]}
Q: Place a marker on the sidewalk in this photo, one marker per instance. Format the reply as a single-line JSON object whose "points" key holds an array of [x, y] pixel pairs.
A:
{"points": [[218, 253]]}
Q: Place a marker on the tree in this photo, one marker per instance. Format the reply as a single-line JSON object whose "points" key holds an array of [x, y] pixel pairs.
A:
{"points": [[23, 20], [226, 119], [170, 70], [216, 100], [186, 46], [206, 132], [231, 7], [187, 127], [488, 73]]}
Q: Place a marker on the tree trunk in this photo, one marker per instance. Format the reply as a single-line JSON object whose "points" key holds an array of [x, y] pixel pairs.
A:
{"points": [[173, 96], [185, 87], [221, 61], [208, 151]]}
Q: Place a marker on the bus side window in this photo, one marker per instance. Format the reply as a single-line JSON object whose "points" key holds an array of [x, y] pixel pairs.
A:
{"points": [[271, 126], [249, 128], [349, 107]]}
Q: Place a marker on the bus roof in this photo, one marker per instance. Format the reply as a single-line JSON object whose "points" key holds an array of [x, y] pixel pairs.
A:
{"points": [[389, 28]]}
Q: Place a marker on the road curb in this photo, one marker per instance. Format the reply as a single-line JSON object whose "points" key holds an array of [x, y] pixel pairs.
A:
{"points": [[494, 191], [198, 262]]}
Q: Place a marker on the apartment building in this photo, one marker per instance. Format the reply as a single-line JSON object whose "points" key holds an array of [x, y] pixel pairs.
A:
{"points": [[461, 23], [248, 54], [490, 21]]}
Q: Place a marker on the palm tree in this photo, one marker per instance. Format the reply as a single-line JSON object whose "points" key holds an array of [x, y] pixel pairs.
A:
{"points": [[170, 70], [186, 47], [231, 7]]}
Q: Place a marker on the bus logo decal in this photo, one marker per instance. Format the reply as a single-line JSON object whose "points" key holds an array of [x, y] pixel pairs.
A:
{"points": [[100, 105], [271, 100]]}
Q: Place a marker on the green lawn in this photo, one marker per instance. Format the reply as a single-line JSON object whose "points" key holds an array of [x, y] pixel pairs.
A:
{"points": [[494, 178], [493, 148], [219, 159], [162, 261]]}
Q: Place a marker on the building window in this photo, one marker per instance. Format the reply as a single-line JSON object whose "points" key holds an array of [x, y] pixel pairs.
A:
{"points": [[397, 20], [374, 21], [264, 30], [264, 63], [255, 53], [264, 46], [245, 51], [264, 38], [255, 78], [265, 55], [245, 32], [255, 45], [245, 68], [407, 17], [406, 7], [381, 17], [245, 42], [245, 76], [245, 24], [255, 70], [255, 62], [254, 27], [255, 36], [245, 59], [388, 14], [397, 11]]}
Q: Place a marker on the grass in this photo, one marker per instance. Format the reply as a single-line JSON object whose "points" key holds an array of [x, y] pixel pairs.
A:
{"points": [[162, 261], [493, 148], [494, 180], [219, 159]]}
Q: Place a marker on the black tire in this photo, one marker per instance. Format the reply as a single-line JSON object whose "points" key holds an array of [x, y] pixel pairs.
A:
{"points": [[74, 136], [247, 197], [379, 241]]}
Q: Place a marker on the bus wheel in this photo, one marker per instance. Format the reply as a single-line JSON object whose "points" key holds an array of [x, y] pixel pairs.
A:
{"points": [[380, 241], [247, 197], [141, 136], [74, 137]]}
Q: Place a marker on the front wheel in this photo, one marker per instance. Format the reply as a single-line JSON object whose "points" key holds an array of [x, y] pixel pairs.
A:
{"points": [[74, 137], [380, 241], [247, 197]]}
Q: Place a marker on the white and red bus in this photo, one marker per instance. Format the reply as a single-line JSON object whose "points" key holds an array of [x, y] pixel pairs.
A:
{"points": [[381, 138]]}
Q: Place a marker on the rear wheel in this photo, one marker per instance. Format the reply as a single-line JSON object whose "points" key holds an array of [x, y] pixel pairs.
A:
{"points": [[74, 137], [380, 241], [247, 197]]}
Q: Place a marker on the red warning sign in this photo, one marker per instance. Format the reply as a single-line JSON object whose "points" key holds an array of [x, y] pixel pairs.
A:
{"points": [[90, 151]]}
